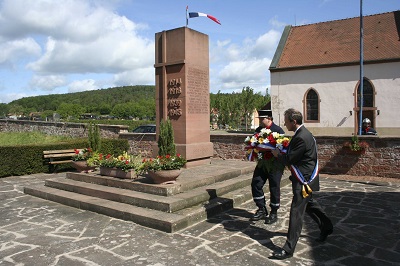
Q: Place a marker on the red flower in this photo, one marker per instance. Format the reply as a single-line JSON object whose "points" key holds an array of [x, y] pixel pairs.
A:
{"points": [[271, 139], [285, 143], [167, 156]]}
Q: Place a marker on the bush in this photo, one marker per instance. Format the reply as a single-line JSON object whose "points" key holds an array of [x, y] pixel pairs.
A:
{"points": [[28, 159], [166, 141]]}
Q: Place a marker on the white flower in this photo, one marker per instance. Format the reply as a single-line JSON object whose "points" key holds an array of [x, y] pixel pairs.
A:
{"points": [[275, 135]]}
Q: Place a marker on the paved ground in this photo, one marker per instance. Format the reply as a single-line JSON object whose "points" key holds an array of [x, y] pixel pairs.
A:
{"points": [[365, 212]]}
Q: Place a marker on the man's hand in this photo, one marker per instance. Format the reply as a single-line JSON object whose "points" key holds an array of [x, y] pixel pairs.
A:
{"points": [[275, 152]]}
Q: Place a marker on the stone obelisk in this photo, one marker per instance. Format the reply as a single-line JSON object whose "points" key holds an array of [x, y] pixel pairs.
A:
{"points": [[182, 91]]}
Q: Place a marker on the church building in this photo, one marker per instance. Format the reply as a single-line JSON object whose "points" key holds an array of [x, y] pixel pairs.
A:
{"points": [[316, 69]]}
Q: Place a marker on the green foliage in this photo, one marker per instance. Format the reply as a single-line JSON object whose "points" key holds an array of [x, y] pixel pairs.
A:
{"points": [[166, 141], [28, 159], [131, 102], [356, 145], [82, 154], [69, 110], [166, 162], [235, 110], [4, 110], [33, 137], [98, 102], [94, 136], [124, 161]]}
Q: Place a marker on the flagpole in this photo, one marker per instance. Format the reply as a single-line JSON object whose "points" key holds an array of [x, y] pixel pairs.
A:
{"points": [[361, 96], [187, 19]]}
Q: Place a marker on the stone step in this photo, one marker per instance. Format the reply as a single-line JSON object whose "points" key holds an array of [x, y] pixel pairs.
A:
{"points": [[163, 221], [189, 179], [167, 222], [162, 203], [198, 194]]}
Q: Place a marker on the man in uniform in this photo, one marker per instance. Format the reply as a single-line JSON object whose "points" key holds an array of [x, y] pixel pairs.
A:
{"points": [[260, 177]]}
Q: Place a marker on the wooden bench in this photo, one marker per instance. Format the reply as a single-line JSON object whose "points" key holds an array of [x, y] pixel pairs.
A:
{"points": [[56, 157]]}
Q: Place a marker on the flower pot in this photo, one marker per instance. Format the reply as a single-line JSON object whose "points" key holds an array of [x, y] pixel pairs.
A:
{"points": [[164, 176], [81, 166], [116, 172]]}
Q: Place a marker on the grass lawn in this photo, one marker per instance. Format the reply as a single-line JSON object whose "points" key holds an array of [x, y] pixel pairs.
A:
{"points": [[24, 138]]}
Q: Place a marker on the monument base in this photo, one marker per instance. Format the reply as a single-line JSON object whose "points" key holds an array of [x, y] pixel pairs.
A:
{"points": [[197, 162], [196, 154]]}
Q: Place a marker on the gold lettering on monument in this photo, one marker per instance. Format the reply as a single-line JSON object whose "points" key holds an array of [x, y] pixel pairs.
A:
{"points": [[198, 91], [174, 104]]}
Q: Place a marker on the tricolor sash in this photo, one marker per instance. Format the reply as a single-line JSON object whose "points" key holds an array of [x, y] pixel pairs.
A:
{"points": [[305, 190]]}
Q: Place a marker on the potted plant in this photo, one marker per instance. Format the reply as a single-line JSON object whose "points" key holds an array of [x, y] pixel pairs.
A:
{"points": [[167, 165], [356, 145], [122, 166], [80, 158], [86, 160]]}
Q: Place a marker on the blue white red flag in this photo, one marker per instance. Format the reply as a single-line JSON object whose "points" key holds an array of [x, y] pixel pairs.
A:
{"points": [[198, 14]]}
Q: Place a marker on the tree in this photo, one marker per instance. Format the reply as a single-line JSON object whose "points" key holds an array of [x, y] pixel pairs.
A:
{"points": [[166, 141], [68, 110]]}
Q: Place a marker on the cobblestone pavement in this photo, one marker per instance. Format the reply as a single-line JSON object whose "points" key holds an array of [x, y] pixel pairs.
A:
{"points": [[365, 212]]}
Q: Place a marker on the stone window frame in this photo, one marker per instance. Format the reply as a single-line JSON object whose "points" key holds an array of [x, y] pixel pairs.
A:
{"points": [[306, 108]]}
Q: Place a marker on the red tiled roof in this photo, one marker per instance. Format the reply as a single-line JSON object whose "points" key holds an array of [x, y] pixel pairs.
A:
{"points": [[338, 42]]}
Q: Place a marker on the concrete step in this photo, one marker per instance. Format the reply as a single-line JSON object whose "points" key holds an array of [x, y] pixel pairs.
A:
{"points": [[198, 194], [167, 222], [163, 221], [162, 203], [189, 179]]}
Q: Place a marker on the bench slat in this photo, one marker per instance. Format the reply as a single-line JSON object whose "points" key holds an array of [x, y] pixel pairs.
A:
{"points": [[59, 155], [60, 162], [56, 157], [59, 151]]}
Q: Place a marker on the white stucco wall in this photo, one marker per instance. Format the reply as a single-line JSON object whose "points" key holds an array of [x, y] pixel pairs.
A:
{"points": [[336, 86]]}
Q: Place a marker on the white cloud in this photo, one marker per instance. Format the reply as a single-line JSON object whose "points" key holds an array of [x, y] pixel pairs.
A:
{"points": [[83, 85], [142, 76], [47, 83], [245, 65], [9, 97], [265, 45], [13, 51]]}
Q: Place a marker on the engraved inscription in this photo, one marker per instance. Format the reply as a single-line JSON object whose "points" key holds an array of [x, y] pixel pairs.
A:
{"points": [[197, 93], [174, 90]]}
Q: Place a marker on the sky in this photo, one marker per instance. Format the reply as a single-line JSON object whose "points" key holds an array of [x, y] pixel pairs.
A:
{"points": [[56, 47]]}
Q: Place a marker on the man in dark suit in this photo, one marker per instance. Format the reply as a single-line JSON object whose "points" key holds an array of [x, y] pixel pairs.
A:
{"points": [[261, 175], [302, 159]]}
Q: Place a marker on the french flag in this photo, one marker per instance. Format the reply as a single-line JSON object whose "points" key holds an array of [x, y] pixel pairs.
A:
{"points": [[198, 14]]}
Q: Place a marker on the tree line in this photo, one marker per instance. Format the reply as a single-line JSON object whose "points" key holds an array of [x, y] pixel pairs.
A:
{"points": [[228, 109]]}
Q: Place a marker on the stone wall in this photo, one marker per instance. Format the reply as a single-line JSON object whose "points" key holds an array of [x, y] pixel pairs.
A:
{"points": [[77, 130], [380, 158]]}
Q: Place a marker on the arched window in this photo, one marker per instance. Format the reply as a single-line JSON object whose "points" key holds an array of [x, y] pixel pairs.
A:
{"points": [[312, 106], [368, 94]]}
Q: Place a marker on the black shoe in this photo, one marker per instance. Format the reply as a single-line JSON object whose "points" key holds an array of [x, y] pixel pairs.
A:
{"points": [[281, 255], [261, 213], [272, 218], [323, 235]]}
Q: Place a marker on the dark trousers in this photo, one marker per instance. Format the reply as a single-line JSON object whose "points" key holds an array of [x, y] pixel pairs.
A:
{"points": [[299, 206], [260, 177]]}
